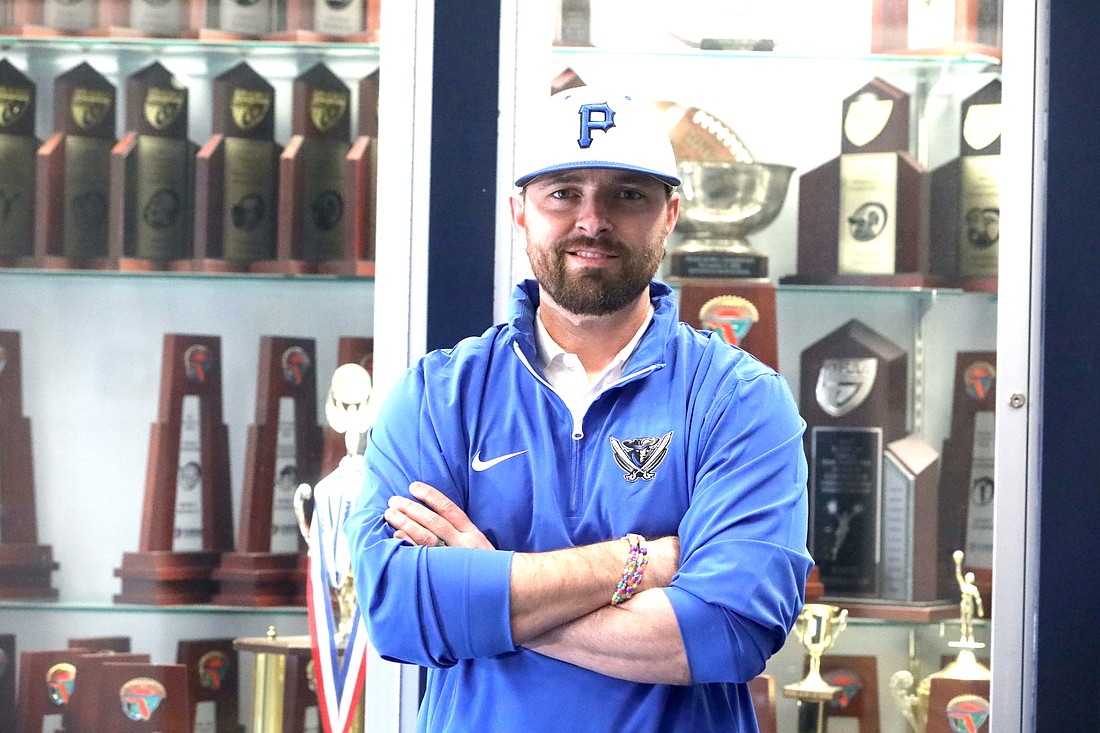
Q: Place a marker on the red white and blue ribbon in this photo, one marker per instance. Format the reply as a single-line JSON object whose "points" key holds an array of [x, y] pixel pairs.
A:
{"points": [[339, 680]]}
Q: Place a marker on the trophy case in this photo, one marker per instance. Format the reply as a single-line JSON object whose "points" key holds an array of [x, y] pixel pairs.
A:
{"points": [[91, 337], [864, 250]]}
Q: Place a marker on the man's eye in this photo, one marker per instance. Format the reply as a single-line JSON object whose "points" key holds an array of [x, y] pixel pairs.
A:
{"points": [[561, 193], [631, 194]]}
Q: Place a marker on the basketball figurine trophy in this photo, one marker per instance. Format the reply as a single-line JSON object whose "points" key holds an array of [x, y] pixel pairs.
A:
{"points": [[817, 627], [956, 697], [339, 640]]}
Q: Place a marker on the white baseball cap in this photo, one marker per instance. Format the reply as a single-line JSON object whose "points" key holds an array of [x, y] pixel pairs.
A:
{"points": [[584, 127]]}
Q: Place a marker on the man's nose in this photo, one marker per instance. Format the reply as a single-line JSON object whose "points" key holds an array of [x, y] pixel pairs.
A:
{"points": [[593, 217]]}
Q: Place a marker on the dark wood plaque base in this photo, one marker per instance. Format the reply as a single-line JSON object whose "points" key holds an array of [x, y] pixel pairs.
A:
{"points": [[119, 644], [25, 572], [260, 579], [708, 263], [164, 578], [900, 280], [905, 612], [762, 690], [7, 681]]}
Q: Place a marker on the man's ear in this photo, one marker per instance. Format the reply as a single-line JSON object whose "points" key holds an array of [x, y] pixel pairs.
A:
{"points": [[673, 211], [516, 204]]}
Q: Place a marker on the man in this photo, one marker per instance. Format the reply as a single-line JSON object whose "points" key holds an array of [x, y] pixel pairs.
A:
{"points": [[592, 517]]}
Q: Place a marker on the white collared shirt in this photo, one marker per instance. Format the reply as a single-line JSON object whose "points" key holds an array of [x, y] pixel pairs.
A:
{"points": [[567, 375]]}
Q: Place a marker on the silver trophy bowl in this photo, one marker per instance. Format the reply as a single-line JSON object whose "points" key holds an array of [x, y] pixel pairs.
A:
{"points": [[721, 203], [729, 198]]}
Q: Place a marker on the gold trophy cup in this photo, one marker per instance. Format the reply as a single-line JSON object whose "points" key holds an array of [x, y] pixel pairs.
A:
{"points": [[964, 668], [817, 627]]}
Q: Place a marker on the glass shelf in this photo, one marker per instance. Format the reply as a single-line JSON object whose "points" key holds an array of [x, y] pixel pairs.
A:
{"points": [[110, 608], [187, 45], [30, 273]]}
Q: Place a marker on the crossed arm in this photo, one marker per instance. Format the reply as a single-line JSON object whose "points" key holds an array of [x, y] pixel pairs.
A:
{"points": [[560, 600]]}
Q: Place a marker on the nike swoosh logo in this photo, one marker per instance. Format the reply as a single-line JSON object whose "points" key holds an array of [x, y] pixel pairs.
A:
{"points": [[479, 465]]}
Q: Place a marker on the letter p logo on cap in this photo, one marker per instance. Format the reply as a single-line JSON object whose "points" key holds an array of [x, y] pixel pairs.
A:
{"points": [[605, 123]]}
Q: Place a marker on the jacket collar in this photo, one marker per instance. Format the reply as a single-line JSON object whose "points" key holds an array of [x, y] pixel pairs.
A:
{"points": [[650, 351]]}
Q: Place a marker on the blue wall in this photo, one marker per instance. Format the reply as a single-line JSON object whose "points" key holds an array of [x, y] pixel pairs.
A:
{"points": [[1069, 590]]}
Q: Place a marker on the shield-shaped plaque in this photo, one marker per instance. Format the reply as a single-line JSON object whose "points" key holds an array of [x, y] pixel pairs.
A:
{"points": [[844, 384]]}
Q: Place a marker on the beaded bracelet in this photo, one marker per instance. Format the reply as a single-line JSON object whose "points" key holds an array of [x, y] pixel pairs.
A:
{"points": [[636, 562]]}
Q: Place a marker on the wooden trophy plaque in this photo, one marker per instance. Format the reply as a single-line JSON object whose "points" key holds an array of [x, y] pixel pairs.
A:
{"points": [[327, 21], [138, 697], [862, 217], [186, 521], [957, 705], [313, 210], [119, 644], [46, 680], [857, 677], [150, 18], [85, 701], [910, 544], [741, 311], [236, 176], [853, 396], [72, 182], [965, 225], [25, 565], [350, 350], [284, 697], [269, 565], [237, 20], [17, 155], [213, 678], [762, 691], [967, 28], [356, 257], [152, 175], [967, 482], [7, 681]]}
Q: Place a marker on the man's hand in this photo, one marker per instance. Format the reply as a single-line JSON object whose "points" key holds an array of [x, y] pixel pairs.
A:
{"points": [[433, 520]]}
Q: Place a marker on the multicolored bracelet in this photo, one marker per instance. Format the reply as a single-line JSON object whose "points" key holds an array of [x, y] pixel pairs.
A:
{"points": [[636, 563]]}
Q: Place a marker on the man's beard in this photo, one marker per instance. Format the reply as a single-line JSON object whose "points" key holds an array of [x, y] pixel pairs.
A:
{"points": [[595, 291]]}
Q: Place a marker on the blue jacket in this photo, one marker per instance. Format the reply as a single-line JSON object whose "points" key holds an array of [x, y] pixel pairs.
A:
{"points": [[732, 486]]}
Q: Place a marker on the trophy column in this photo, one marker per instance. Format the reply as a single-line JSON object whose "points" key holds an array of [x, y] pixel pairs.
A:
{"points": [[25, 565], [152, 175], [268, 567], [186, 519], [313, 193], [17, 154], [236, 176], [72, 180]]}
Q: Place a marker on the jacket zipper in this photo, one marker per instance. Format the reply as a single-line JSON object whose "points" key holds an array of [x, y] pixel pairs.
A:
{"points": [[578, 423]]}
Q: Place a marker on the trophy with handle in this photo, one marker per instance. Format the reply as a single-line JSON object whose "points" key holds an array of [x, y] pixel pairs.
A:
{"points": [[339, 639], [817, 627]]}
